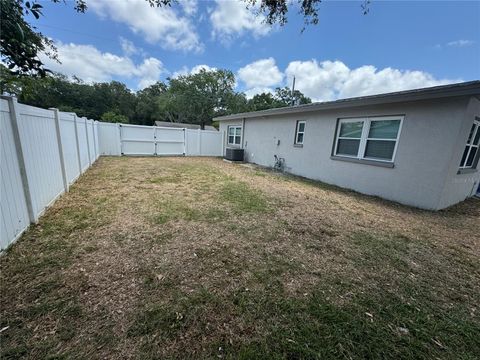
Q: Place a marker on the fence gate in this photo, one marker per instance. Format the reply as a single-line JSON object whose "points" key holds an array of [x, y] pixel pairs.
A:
{"points": [[137, 140], [169, 141], [151, 140]]}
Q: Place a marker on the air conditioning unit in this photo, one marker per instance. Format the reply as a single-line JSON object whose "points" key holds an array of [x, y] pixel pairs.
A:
{"points": [[234, 154]]}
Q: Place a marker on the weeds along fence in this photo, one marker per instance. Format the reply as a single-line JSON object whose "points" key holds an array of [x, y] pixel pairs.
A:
{"points": [[44, 151]]}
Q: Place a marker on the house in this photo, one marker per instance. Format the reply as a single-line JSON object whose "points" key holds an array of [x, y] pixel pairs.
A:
{"points": [[417, 147], [183, 125]]}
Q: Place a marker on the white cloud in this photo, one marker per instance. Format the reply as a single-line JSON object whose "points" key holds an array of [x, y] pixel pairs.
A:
{"points": [[91, 65], [250, 93], [330, 80], [455, 44], [260, 73], [194, 70], [231, 18], [461, 43], [128, 47], [149, 72], [190, 7], [160, 25]]}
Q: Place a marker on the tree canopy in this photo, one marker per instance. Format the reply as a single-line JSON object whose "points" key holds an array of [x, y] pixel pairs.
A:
{"points": [[194, 98]]}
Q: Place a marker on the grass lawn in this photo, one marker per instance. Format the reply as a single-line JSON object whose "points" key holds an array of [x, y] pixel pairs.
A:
{"points": [[195, 258]]}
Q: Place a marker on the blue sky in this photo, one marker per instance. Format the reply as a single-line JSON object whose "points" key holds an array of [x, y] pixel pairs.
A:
{"points": [[398, 45]]}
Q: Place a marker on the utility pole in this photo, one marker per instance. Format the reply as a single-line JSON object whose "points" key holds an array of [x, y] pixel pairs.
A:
{"points": [[293, 91]]}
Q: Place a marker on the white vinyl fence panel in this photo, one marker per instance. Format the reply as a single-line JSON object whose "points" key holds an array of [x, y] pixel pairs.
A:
{"points": [[42, 152], [69, 145], [137, 140], [126, 139], [14, 216], [82, 142], [169, 141], [203, 143], [42, 160], [109, 139]]}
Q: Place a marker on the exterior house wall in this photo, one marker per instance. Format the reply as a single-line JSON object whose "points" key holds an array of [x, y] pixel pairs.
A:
{"points": [[224, 129], [422, 161], [459, 186]]}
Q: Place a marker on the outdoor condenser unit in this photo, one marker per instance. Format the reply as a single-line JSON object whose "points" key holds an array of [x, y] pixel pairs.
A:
{"points": [[234, 154]]}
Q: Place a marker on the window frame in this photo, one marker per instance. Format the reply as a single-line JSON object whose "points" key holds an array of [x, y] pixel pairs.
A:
{"points": [[234, 135], [476, 124], [297, 132], [366, 124]]}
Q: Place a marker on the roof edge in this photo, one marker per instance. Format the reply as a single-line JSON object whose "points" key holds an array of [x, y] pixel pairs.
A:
{"points": [[457, 89]]}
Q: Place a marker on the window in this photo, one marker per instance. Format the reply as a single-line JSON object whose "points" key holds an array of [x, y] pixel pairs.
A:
{"points": [[373, 138], [470, 154], [300, 132], [234, 135]]}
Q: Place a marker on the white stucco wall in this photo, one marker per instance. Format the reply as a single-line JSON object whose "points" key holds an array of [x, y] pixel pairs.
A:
{"points": [[429, 145], [460, 186]]}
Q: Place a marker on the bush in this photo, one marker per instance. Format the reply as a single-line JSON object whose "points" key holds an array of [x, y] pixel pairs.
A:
{"points": [[112, 116]]}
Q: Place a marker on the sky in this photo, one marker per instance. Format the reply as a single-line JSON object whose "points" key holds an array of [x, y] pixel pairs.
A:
{"points": [[398, 45]]}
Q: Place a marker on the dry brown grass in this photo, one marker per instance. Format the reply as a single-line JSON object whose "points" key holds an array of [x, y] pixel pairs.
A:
{"points": [[198, 258]]}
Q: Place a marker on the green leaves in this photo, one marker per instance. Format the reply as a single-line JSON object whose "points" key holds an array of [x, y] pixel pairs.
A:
{"points": [[34, 8], [197, 98], [20, 42]]}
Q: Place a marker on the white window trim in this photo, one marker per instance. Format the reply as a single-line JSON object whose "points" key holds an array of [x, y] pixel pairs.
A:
{"points": [[471, 145], [297, 131], [364, 137], [234, 135]]}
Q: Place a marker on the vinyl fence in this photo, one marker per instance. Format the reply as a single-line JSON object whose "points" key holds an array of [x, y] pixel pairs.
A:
{"points": [[138, 140], [42, 153]]}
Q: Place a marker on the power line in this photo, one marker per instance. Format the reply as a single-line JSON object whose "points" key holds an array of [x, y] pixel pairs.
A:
{"points": [[207, 61], [76, 32]]}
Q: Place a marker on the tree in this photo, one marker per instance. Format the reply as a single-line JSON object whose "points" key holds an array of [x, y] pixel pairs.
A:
{"points": [[262, 101], [192, 99], [20, 42], [113, 96], [276, 11], [113, 117], [285, 97], [236, 103], [197, 98], [146, 108], [89, 100]]}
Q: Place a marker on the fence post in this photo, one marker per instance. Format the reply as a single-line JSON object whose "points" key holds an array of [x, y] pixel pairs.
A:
{"points": [[184, 142], [120, 136], [88, 142], [199, 138], [14, 117], [56, 114], [78, 145], [94, 140]]}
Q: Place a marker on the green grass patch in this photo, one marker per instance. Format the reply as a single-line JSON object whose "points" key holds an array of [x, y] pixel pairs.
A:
{"points": [[242, 198], [168, 179]]}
